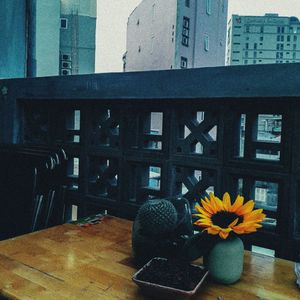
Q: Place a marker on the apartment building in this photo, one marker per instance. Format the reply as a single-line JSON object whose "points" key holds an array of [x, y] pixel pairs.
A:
{"points": [[263, 40], [47, 38], [174, 34]]}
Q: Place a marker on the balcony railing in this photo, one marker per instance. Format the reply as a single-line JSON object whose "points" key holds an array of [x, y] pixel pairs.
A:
{"points": [[137, 136]]}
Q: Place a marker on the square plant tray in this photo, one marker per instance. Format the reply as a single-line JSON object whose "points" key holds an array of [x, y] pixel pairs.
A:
{"points": [[170, 276]]}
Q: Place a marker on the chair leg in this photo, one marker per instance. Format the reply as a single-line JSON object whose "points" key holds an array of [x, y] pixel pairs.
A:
{"points": [[49, 211], [37, 212]]}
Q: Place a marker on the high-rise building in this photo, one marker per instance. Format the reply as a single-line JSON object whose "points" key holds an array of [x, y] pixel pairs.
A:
{"points": [[46, 38], [77, 36], [263, 40], [173, 34]]}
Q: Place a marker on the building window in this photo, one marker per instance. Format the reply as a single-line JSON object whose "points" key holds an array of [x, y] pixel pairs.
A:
{"points": [[278, 38], [63, 23], [261, 29], [208, 7], [254, 61], [246, 54], [247, 29], [288, 38], [278, 29], [206, 42], [255, 46], [295, 38], [246, 61], [294, 46], [261, 38], [282, 38], [282, 29], [187, 3], [183, 62], [247, 45], [255, 54], [185, 31], [294, 55]]}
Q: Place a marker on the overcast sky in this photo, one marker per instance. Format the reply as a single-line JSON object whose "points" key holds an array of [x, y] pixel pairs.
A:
{"points": [[113, 14]]}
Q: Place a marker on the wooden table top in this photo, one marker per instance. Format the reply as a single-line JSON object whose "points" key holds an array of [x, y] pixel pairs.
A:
{"points": [[73, 262]]}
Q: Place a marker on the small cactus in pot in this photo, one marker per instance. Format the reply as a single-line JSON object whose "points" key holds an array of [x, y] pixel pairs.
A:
{"points": [[155, 231]]}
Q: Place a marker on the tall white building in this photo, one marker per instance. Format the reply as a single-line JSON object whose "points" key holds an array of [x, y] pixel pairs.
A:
{"points": [[173, 34], [263, 40], [46, 38]]}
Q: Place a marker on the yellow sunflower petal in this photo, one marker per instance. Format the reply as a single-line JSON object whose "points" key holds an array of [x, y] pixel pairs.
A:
{"points": [[232, 224], [219, 203], [207, 206], [254, 216], [212, 230], [246, 208], [203, 222], [226, 202], [213, 203], [223, 234], [202, 211], [238, 230], [237, 203]]}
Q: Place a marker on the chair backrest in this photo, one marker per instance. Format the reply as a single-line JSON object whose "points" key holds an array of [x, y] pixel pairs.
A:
{"points": [[31, 180]]}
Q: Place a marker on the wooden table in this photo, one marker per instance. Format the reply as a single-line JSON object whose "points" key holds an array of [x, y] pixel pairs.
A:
{"points": [[72, 262]]}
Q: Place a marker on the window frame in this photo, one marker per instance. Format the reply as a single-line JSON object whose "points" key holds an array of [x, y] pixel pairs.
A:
{"points": [[183, 62], [66, 22], [185, 31], [208, 7]]}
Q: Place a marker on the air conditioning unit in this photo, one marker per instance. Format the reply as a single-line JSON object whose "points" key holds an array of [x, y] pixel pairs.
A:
{"points": [[66, 64], [65, 57], [65, 72]]}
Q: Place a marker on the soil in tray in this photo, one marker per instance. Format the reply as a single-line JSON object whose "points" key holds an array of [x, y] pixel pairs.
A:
{"points": [[172, 273]]}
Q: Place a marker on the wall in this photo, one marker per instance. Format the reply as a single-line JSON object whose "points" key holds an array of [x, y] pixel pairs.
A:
{"points": [[47, 24], [12, 39], [149, 36], [214, 26]]}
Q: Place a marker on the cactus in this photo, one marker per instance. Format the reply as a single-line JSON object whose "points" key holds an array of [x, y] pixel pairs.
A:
{"points": [[157, 217]]}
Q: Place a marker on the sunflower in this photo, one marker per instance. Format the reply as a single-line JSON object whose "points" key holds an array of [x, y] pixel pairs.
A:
{"points": [[222, 217]]}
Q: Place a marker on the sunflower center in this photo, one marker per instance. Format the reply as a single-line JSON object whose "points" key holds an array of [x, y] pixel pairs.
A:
{"points": [[224, 218]]}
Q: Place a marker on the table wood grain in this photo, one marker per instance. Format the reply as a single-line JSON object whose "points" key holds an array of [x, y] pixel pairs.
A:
{"points": [[73, 262]]}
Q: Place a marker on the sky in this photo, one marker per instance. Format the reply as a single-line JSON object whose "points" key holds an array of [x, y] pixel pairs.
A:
{"points": [[112, 18]]}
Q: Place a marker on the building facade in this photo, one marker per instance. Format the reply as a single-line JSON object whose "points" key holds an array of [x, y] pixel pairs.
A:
{"points": [[263, 40], [47, 38], [173, 34], [77, 36]]}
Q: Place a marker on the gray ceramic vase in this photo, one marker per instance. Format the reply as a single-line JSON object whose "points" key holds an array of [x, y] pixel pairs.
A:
{"points": [[226, 260]]}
